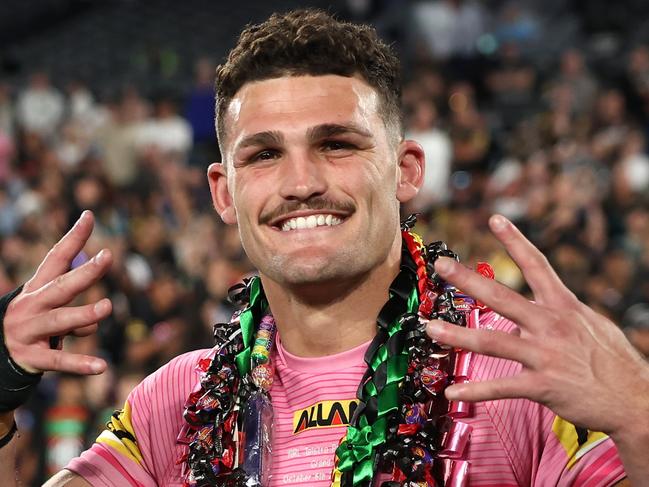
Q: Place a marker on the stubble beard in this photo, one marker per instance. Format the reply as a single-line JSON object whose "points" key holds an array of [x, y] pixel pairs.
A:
{"points": [[343, 265]]}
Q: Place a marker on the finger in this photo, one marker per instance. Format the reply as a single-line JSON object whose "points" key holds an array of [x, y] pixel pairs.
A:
{"points": [[85, 331], [57, 261], [486, 342], [539, 274], [490, 390], [60, 361], [62, 321], [66, 287], [494, 294]]}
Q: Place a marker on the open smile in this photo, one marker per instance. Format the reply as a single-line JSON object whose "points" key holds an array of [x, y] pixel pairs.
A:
{"points": [[308, 221]]}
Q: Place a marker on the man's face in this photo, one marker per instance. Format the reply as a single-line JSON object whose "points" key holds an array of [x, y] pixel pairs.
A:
{"points": [[312, 179]]}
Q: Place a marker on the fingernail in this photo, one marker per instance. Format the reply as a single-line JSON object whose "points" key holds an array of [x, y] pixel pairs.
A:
{"points": [[96, 367], [101, 306], [443, 264], [99, 258], [82, 217], [498, 222]]}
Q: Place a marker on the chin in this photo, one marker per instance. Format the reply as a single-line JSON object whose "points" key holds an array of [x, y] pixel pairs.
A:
{"points": [[290, 272]]}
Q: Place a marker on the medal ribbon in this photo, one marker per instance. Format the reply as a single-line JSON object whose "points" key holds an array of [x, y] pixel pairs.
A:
{"points": [[247, 319], [378, 393]]}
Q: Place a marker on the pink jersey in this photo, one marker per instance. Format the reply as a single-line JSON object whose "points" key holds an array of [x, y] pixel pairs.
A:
{"points": [[514, 442]]}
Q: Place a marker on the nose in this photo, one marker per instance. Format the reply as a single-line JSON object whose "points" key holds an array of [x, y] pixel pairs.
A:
{"points": [[302, 176]]}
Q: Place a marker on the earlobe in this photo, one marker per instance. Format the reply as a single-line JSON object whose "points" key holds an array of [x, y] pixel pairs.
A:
{"points": [[218, 182], [411, 170]]}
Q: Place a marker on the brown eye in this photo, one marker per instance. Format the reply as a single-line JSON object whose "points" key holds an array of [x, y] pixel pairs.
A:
{"points": [[336, 145], [264, 155]]}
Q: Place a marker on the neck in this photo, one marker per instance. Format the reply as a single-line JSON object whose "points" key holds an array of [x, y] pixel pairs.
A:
{"points": [[326, 318]]}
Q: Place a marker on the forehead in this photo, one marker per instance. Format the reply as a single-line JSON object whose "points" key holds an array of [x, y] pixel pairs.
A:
{"points": [[294, 103]]}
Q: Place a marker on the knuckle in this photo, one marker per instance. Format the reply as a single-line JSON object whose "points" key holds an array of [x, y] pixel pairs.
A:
{"points": [[564, 323], [57, 361], [572, 298], [552, 320], [55, 251], [572, 316], [487, 341], [59, 283], [538, 261], [499, 389], [55, 318], [13, 346], [501, 294], [543, 386], [18, 303], [545, 358], [90, 314]]}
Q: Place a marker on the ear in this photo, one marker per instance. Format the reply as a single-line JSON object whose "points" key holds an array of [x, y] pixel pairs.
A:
{"points": [[411, 170], [218, 181]]}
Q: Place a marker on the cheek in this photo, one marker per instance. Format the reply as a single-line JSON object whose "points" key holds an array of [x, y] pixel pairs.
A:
{"points": [[245, 195], [384, 185]]}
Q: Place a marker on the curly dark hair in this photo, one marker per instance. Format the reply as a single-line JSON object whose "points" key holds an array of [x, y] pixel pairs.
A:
{"points": [[310, 42]]}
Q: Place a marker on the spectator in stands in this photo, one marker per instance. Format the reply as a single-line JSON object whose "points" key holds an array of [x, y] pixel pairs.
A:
{"points": [[574, 74], [449, 28], [422, 126], [166, 131], [40, 107]]}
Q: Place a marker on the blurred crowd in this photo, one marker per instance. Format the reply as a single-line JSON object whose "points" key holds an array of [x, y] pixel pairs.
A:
{"points": [[558, 146]]}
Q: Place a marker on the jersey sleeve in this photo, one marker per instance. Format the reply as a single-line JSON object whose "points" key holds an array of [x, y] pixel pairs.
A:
{"points": [[115, 458], [578, 457], [139, 446]]}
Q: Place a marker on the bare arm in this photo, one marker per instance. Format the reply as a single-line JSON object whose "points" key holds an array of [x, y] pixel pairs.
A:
{"points": [[40, 312], [67, 479], [575, 361]]}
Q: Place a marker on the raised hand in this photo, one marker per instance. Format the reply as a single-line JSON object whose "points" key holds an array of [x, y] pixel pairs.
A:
{"points": [[575, 361], [39, 311]]}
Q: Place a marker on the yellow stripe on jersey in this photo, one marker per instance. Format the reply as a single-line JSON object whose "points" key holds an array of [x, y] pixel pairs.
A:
{"points": [[566, 433], [120, 434]]}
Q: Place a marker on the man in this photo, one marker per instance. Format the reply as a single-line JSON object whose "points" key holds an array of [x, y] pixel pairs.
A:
{"points": [[314, 170]]}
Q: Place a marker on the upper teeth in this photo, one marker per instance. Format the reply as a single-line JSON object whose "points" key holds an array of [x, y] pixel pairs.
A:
{"points": [[310, 221]]}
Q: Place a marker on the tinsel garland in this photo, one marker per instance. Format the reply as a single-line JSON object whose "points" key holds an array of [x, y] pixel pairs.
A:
{"points": [[403, 428]]}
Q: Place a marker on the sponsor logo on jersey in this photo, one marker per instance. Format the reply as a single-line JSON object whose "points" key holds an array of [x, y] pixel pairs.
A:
{"points": [[324, 414]]}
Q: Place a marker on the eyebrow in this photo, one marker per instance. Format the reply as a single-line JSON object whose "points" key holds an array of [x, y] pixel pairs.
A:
{"points": [[330, 129], [270, 137], [319, 132]]}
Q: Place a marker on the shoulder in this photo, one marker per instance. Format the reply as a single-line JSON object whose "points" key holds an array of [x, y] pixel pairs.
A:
{"points": [[172, 383], [182, 364]]}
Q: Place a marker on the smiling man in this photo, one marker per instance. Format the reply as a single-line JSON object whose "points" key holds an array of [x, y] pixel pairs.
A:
{"points": [[309, 176], [327, 376]]}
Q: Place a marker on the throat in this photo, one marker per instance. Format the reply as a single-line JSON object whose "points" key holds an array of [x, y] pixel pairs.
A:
{"points": [[315, 338], [316, 329]]}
